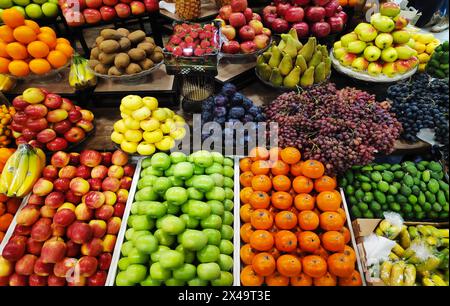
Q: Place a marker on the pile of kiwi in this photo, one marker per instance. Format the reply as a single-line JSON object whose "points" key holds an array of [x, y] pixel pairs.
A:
{"points": [[119, 52]]}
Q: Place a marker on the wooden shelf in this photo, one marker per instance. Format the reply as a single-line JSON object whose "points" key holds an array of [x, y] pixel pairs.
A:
{"points": [[229, 70], [208, 11]]}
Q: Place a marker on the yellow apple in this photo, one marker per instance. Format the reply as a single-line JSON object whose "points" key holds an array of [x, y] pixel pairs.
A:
{"points": [[150, 124], [128, 146], [154, 136], [150, 102], [119, 126], [145, 148], [133, 135], [117, 137], [131, 124]]}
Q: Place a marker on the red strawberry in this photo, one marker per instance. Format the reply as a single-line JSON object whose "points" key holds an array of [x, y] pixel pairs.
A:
{"points": [[199, 52], [205, 44]]}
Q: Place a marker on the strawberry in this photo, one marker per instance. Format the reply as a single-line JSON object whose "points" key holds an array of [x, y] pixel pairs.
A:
{"points": [[177, 51], [205, 44], [188, 39], [199, 52]]}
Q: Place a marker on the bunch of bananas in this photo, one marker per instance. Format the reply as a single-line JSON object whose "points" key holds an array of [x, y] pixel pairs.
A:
{"points": [[419, 257], [21, 171], [6, 83], [80, 76]]}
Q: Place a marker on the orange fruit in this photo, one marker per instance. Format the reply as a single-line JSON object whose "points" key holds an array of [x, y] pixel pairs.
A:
{"points": [[328, 201], [6, 34], [274, 154], [302, 184], [279, 167], [32, 24], [296, 169], [259, 153], [49, 31], [245, 164], [38, 49], [19, 68], [260, 167], [304, 201], [47, 38], [4, 62], [65, 48], [39, 66], [290, 155], [308, 220], [62, 40], [13, 18], [261, 183], [3, 52], [17, 51], [325, 183], [313, 169], [289, 265], [246, 178], [57, 59], [24, 34]]}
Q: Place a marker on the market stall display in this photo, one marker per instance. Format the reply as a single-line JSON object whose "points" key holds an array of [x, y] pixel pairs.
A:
{"points": [[80, 76], [35, 9], [438, 64], [182, 220], [291, 64], [6, 115]]}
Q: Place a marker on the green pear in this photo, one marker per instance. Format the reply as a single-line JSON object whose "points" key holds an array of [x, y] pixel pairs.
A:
{"points": [[382, 23], [300, 61], [316, 59], [285, 65], [275, 59], [291, 47], [264, 71], [348, 38], [293, 78], [404, 52], [307, 78], [282, 45], [319, 73], [356, 47], [275, 77], [308, 49]]}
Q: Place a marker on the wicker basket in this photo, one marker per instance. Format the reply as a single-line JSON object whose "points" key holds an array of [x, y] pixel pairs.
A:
{"points": [[220, 3]]}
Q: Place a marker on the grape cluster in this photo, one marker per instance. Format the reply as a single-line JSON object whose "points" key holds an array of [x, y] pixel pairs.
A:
{"points": [[421, 102], [340, 128]]}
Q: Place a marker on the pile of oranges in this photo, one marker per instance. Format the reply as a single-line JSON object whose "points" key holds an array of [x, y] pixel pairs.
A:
{"points": [[8, 207], [6, 113], [293, 227], [27, 48]]}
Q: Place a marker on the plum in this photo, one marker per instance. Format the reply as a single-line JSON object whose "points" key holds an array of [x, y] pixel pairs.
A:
{"points": [[229, 89], [237, 112], [220, 100], [254, 110], [237, 99], [220, 111], [247, 103]]}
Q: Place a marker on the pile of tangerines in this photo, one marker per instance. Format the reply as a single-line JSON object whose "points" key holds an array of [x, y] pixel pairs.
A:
{"points": [[25, 47], [293, 227]]}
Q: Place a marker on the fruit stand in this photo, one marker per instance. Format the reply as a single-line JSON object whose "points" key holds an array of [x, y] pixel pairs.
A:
{"points": [[222, 143]]}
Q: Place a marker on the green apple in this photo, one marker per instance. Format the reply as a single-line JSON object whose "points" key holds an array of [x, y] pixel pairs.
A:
{"points": [[225, 262], [189, 182], [39, 1], [172, 209], [226, 247], [203, 183], [374, 68], [197, 282], [212, 221], [193, 240], [164, 238], [198, 209], [171, 259], [228, 205], [216, 207], [33, 11], [227, 218], [225, 279], [169, 172], [198, 170], [228, 182], [203, 158], [217, 193], [177, 157], [404, 52], [208, 271], [389, 55], [136, 273], [189, 256], [138, 234], [152, 171], [209, 253], [147, 244], [146, 181], [173, 282], [123, 263], [339, 52], [213, 235], [217, 157], [382, 23], [228, 171], [390, 9], [127, 246], [194, 194], [152, 209], [146, 194], [360, 63], [229, 193], [183, 170], [141, 223], [366, 32], [130, 220], [347, 38], [218, 179], [49, 9], [135, 208], [20, 2], [401, 36], [176, 195], [356, 47], [158, 273], [150, 282], [122, 279], [176, 182], [228, 162], [189, 221], [185, 273], [384, 40], [129, 233], [226, 231], [214, 168], [136, 257], [172, 225], [160, 161], [157, 254], [6, 4], [372, 53]]}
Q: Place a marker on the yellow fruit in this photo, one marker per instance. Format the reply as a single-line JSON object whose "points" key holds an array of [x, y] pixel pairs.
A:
{"points": [[425, 38], [125, 116], [131, 124], [119, 126], [132, 102], [128, 146], [125, 110], [168, 126], [169, 112], [430, 48], [150, 124], [165, 144], [16, 134], [153, 137], [423, 58], [142, 113], [146, 148], [178, 118], [150, 102], [178, 133], [435, 41], [159, 114], [133, 135], [419, 47], [117, 137], [422, 67]]}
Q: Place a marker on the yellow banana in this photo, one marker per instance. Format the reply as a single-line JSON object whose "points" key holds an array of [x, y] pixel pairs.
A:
{"points": [[397, 277], [385, 273], [42, 159], [427, 282], [8, 171], [19, 175], [409, 275], [33, 173], [438, 281], [398, 250]]}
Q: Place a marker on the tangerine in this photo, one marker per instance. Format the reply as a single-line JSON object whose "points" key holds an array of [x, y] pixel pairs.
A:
{"points": [[39, 66], [290, 155], [18, 68], [38, 49], [56, 58]]}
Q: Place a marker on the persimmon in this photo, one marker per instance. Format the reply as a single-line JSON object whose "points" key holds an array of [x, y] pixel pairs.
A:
{"points": [[245, 232], [341, 265], [301, 280], [285, 241], [286, 220], [259, 153], [261, 219], [247, 254], [279, 167], [261, 183], [245, 194], [328, 201], [245, 164], [353, 280], [281, 183], [281, 200], [277, 279], [261, 240], [331, 221], [325, 183], [246, 178], [260, 167], [250, 278], [333, 241], [308, 241], [313, 169], [246, 211], [327, 280], [264, 264], [348, 251], [259, 199], [341, 211], [304, 201], [289, 265], [308, 220], [290, 155], [314, 266], [302, 184]]}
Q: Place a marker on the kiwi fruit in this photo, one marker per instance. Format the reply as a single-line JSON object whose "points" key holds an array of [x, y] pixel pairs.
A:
{"points": [[123, 32], [100, 68], [147, 47], [158, 49], [106, 59], [122, 60], [94, 53], [92, 63], [110, 34], [150, 40], [115, 71], [146, 64], [136, 36], [157, 57], [137, 54], [99, 40], [125, 44], [109, 46], [133, 68]]}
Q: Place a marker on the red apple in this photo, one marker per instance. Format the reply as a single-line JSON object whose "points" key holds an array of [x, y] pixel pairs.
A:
{"points": [[336, 24], [72, 198], [87, 265], [36, 111], [92, 16], [301, 2], [15, 248], [46, 135], [302, 29], [104, 261], [270, 9], [94, 199], [261, 41], [84, 172], [246, 33], [54, 281], [94, 3], [119, 209], [41, 268], [60, 159], [55, 199], [98, 279], [99, 228], [122, 195], [87, 115], [18, 280], [224, 12], [36, 125], [137, 8], [294, 14], [111, 183], [28, 134], [75, 134], [151, 5], [74, 18], [53, 250], [36, 144], [320, 2], [87, 126], [74, 158], [68, 172], [122, 10], [280, 25], [25, 265], [34, 247], [92, 248], [237, 20], [17, 127], [105, 212], [37, 280], [62, 126], [282, 8], [22, 230], [125, 182], [108, 13], [315, 13], [61, 184], [95, 184], [99, 171], [119, 158], [321, 29], [65, 267], [79, 186], [79, 232], [331, 8], [114, 224], [248, 13], [110, 2], [20, 117], [57, 144], [106, 159], [28, 215], [90, 158], [239, 5], [41, 230], [343, 16], [35, 200], [73, 249], [53, 101], [19, 103], [64, 217]]}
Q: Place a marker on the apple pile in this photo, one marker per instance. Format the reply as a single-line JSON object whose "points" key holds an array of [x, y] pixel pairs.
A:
{"points": [[180, 228], [243, 29], [70, 222], [381, 47], [80, 12], [191, 39], [46, 120], [318, 18]]}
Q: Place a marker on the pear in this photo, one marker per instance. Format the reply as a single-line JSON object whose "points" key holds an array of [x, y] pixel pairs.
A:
{"points": [[319, 73], [293, 78], [316, 59], [275, 59], [293, 33], [260, 60], [307, 78], [282, 45], [308, 49], [285, 65], [300, 61], [285, 38], [405, 52], [291, 47], [267, 56], [327, 66], [382, 23], [356, 47], [275, 77], [264, 71]]}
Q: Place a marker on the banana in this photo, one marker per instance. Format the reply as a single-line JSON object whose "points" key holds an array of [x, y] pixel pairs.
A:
{"points": [[385, 273], [442, 233], [438, 281], [8, 171], [405, 240], [424, 230], [397, 277], [427, 282], [409, 276], [379, 232], [393, 257], [384, 225], [398, 250], [20, 174], [33, 173], [413, 232]]}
